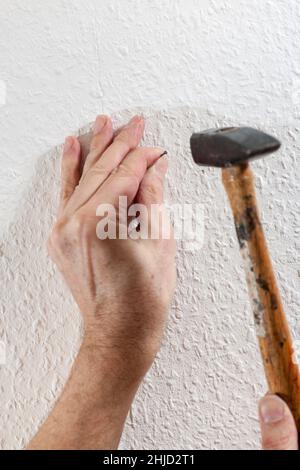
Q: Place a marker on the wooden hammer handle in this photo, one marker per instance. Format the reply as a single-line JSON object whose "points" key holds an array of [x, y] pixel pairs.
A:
{"points": [[273, 333]]}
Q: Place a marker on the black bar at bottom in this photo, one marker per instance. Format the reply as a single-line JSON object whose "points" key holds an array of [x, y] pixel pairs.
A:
{"points": [[150, 459]]}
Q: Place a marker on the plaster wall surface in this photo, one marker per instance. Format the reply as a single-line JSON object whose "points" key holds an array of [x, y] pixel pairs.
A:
{"points": [[186, 65]]}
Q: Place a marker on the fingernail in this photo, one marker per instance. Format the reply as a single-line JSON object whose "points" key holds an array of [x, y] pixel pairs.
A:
{"points": [[271, 409], [68, 144], [99, 124]]}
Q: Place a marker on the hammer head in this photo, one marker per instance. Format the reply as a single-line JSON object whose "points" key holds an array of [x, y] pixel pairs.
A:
{"points": [[231, 146]]}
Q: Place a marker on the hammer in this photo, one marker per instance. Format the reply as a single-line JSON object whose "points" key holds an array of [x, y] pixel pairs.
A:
{"points": [[231, 149]]}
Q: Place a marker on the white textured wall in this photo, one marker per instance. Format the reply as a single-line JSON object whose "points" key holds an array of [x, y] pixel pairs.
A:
{"points": [[199, 64]]}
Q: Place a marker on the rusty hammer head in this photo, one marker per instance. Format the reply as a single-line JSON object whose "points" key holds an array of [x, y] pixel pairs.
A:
{"points": [[231, 146]]}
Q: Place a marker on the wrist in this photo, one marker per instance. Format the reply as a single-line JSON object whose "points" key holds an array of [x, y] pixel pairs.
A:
{"points": [[110, 365], [127, 342]]}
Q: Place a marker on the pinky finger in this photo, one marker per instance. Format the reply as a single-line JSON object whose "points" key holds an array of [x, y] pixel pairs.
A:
{"points": [[70, 170]]}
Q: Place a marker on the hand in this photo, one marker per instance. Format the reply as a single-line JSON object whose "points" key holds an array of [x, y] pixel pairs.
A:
{"points": [[122, 287], [278, 427]]}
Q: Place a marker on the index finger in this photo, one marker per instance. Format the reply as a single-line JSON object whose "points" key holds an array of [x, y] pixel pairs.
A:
{"points": [[126, 178], [94, 178]]}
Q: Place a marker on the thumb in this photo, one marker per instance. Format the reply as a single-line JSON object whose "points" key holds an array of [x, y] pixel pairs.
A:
{"points": [[278, 428]]}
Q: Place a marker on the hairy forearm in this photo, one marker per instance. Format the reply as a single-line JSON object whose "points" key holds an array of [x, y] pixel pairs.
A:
{"points": [[92, 409]]}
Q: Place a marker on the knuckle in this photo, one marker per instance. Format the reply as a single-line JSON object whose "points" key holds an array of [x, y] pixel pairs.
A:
{"points": [[98, 170], [123, 141], [280, 442], [151, 192], [93, 154], [152, 189], [55, 242], [124, 172], [69, 234], [65, 232], [57, 235], [114, 170]]}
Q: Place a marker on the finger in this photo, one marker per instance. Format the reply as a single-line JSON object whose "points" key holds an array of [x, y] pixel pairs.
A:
{"points": [[155, 221], [70, 170], [126, 179], [102, 138], [114, 132], [119, 130], [278, 427], [151, 190], [127, 140]]}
